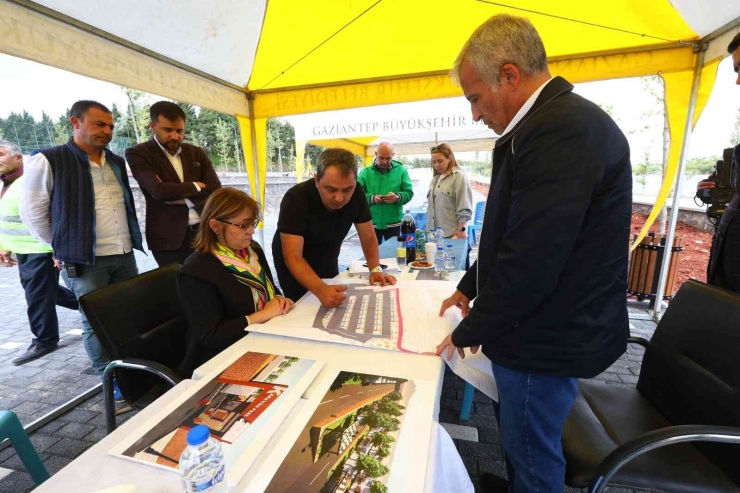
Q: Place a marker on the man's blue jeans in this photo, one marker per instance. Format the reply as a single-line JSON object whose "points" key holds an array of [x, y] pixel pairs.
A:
{"points": [[531, 413], [105, 271]]}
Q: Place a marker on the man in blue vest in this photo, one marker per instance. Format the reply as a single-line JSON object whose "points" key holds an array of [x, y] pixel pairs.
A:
{"points": [[78, 200], [36, 267]]}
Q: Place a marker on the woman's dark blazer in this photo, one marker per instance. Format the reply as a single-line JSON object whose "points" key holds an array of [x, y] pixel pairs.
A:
{"points": [[215, 304]]}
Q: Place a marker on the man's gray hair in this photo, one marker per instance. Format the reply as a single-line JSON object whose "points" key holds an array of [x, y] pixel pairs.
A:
{"points": [[11, 146], [500, 40]]}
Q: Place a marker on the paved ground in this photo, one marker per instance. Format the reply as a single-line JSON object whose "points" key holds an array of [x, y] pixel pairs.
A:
{"points": [[34, 389]]}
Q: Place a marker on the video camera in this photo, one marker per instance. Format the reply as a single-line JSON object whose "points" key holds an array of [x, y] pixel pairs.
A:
{"points": [[718, 197]]}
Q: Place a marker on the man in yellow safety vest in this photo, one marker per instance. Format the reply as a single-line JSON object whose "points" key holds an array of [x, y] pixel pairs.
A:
{"points": [[37, 268]]}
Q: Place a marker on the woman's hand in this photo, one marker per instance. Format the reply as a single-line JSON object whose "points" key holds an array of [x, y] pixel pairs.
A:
{"points": [[274, 308]]}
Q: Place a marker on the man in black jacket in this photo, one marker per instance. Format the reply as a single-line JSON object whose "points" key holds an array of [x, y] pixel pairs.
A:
{"points": [[549, 283]]}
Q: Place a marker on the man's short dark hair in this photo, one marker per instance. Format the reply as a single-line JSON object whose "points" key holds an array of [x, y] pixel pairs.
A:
{"points": [[342, 159], [80, 108], [734, 44], [167, 109]]}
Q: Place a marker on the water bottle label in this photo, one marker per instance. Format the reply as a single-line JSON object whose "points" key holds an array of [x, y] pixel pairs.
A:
{"points": [[410, 241], [206, 486]]}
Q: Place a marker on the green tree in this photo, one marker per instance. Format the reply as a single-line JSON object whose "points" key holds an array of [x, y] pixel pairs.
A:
{"points": [[19, 128], [138, 113], [46, 130], [370, 466], [375, 419], [378, 487], [394, 396], [383, 451], [280, 144], [62, 129], [224, 145], [382, 439], [192, 125], [645, 168], [391, 408], [701, 166]]}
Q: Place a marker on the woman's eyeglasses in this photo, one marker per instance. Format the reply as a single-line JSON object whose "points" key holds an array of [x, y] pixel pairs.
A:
{"points": [[252, 224], [438, 148]]}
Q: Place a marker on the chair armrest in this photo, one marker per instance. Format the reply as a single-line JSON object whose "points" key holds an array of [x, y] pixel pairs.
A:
{"points": [[638, 340], [158, 369], [657, 439]]}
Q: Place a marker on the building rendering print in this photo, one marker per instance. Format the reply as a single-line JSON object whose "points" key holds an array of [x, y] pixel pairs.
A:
{"points": [[348, 443]]}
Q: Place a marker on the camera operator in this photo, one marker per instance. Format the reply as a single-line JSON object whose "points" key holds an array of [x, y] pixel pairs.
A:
{"points": [[724, 260]]}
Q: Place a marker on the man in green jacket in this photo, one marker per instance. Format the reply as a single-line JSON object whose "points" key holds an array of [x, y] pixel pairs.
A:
{"points": [[388, 188], [37, 268]]}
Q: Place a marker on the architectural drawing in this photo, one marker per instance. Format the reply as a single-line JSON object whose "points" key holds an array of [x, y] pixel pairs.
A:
{"points": [[366, 314], [243, 406], [349, 442]]}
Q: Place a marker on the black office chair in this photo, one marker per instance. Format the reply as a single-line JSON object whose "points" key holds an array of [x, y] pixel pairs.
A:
{"points": [[140, 322], [688, 391]]}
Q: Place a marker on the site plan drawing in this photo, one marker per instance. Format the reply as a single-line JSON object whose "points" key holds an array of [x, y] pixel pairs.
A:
{"points": [[366, 314]]}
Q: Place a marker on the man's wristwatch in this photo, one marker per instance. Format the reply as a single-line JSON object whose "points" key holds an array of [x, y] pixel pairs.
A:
{"points": [[376, 269]]}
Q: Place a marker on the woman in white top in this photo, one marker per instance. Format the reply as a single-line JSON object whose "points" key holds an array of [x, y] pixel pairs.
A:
{"points": [[450, 197]]}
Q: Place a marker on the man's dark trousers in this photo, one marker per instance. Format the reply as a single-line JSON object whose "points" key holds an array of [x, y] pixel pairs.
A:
{"points": [[40, 281], [167, 257], [389, 233]]}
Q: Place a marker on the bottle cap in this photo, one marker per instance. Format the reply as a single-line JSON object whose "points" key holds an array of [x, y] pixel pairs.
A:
{"points": [[449, 245], [198, 435]]}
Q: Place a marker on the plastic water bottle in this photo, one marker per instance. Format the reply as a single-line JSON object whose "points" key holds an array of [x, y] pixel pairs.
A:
{"points": [[440, 237], [431, 237], [450, 258], [439, 260], [401, 251], [202, 463], [421, 240]]}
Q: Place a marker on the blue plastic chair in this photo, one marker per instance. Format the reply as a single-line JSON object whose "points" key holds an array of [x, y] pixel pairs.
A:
{"points": [[480, 208], [11, 428], [467, 402]]}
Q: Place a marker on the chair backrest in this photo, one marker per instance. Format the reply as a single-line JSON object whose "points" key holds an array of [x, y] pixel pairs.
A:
{"points": [[691, 368], [480, 208], [140, 318]]}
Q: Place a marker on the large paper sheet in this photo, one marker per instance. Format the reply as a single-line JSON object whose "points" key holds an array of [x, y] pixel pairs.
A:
{"points": [[415, 328], [404, 317], [243, 405]]}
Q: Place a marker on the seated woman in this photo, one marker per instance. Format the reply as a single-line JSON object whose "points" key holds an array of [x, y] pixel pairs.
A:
{"points": [[450, 198], [226, 284]]}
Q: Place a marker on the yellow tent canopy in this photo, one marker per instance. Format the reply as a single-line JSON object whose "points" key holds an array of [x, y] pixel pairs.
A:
{"points": [[262, 59]]}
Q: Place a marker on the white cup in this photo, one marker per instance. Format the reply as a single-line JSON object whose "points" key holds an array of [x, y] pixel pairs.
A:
{"points": [[430, 249]]}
